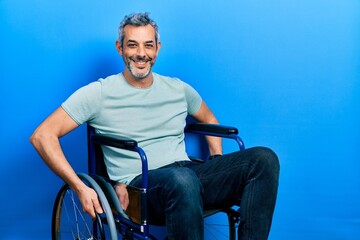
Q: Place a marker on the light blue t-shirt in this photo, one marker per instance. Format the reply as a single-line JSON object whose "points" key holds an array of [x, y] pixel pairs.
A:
{"points": [[154, 117]]}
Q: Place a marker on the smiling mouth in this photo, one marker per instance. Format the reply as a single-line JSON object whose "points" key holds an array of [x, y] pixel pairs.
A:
{"points": [[140, 61]]}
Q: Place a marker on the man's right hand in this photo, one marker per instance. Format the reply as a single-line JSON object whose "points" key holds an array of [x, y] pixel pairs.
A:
{"points": [[89, 201]]}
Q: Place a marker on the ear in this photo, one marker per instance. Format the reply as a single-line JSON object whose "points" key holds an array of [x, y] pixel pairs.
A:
{"points": [[118, 47], [158, 47]]}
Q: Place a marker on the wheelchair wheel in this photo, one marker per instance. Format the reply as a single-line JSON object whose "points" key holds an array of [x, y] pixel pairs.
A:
{"points": [[222, 226], [70, 222]]}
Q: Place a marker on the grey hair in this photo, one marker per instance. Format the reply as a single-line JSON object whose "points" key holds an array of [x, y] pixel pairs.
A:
{"points": [[137, 19]]}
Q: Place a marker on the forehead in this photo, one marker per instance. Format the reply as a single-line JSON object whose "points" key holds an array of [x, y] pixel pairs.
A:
{"points": [[139, 33]]}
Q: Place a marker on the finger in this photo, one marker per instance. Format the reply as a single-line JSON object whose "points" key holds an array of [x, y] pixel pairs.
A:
{"points": [[97, 206], [124, 201], [90, 210]]}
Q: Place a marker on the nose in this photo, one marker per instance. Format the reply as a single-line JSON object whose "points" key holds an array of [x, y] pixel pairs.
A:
{"points": [[141, 51]]}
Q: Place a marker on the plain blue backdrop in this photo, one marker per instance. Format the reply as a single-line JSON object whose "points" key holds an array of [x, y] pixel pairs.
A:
{"points": [[285, 72]]}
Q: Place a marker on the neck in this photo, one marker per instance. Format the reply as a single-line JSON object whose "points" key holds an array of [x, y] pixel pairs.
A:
{"points": [[138, 82]]}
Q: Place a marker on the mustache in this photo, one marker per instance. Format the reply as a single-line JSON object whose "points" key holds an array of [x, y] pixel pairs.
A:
{"points": [[142, 59]]}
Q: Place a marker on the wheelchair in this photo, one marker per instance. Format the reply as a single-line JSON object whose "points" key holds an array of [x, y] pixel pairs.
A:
{"points": [[70, 222]]}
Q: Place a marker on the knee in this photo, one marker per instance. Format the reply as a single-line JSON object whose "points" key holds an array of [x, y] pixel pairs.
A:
{"points": [[184, 182], [267, 155], [267, 160]]}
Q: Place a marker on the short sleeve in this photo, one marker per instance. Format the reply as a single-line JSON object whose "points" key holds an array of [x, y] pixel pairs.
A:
{"points": [[84, 104], [193, 99]]}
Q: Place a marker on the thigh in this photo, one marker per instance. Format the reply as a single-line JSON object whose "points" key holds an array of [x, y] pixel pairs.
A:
{"points": [[223, 178], [168, 185], [167, 177]]}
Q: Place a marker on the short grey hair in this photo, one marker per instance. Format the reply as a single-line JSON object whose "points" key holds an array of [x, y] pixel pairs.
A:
{"points": [[137, 19]]}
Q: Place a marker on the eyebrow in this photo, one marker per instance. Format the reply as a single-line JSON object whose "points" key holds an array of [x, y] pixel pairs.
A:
{"points": [[133, 41]]}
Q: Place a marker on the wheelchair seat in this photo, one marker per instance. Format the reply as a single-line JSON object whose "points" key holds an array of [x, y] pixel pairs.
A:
{"points": [[114, 222]]}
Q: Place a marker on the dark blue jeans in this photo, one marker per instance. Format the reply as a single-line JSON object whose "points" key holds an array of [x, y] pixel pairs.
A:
{"points": [[180, 192]]}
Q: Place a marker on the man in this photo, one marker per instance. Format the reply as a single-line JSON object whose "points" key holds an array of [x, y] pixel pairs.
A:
{"points": [[151, 109]]}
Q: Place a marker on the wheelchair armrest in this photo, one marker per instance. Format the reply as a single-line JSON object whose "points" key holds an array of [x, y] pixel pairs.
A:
{"points": [[206, 128], [118, 142], [114, 141]]}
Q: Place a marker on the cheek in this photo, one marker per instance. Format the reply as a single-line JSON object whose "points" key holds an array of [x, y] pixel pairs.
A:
{"points": [[153, 55]]}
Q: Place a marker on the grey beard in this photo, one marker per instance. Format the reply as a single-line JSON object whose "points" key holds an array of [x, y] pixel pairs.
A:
{"points": [[138, 75]]}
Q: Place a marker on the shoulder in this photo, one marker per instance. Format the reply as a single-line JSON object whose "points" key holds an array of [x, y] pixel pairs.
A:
{"points": [[110, 80], [112, 84], [94, 91], [169, 81], [99, 84]]}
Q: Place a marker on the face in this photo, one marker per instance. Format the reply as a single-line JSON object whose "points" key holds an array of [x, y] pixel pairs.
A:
{"points": [[139, 50]]}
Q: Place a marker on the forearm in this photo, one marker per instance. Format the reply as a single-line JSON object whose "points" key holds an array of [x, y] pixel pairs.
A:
{"points": [[204, 115], [49, 149], [45, 140], [214, 143]]}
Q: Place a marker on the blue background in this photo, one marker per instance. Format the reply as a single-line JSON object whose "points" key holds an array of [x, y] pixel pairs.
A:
{"points": [[285, 72]]}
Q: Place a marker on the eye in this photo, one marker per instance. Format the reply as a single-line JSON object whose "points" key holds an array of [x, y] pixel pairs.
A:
{"points": [[131, 45], [149, 45]]}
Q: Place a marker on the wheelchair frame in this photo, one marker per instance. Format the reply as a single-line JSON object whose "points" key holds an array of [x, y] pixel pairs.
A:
{"points": [[114, 216]]}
